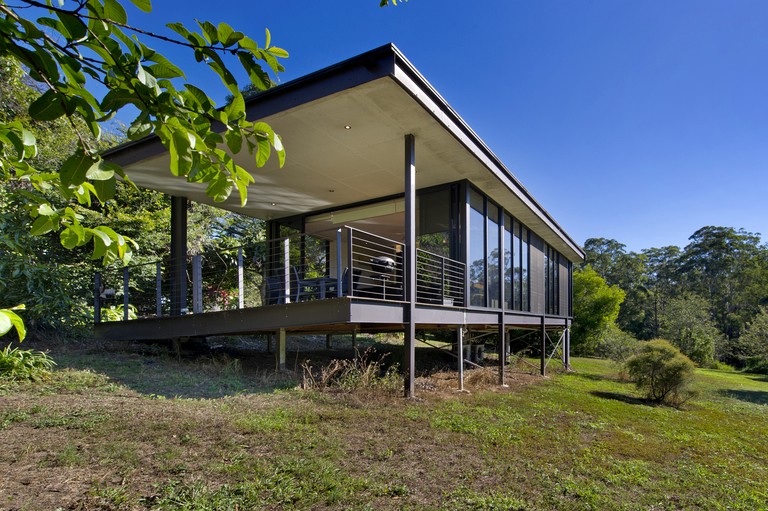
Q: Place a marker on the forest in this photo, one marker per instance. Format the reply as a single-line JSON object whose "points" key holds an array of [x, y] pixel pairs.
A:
{"points": [[708, 298]]}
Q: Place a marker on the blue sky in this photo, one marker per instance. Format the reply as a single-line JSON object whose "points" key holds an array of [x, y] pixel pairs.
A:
{"points": [[640, 121]]}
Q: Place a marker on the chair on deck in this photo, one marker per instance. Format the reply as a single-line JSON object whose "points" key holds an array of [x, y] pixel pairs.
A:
{"points": [[274, 291]]}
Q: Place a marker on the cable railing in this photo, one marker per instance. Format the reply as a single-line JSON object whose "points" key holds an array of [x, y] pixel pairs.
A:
{"points": [[295, 268]]}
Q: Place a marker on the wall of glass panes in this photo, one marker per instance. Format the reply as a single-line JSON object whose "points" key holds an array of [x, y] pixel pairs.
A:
{"points": [[488, 270]]}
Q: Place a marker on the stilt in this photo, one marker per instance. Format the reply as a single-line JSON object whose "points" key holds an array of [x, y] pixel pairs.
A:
{"points": [[543, 347], [281, 350], [409, 256], [354, 339], [329, 341], [460, 353], [502, 350]]}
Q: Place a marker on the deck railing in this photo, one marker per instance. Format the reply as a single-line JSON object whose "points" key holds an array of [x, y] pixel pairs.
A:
{"points": [[285, 270]]}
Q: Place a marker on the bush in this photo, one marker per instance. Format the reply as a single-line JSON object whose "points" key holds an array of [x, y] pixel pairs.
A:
{"points": [[757, 365], [24, 365], [617, 345], [364, 374], [662, 372]]}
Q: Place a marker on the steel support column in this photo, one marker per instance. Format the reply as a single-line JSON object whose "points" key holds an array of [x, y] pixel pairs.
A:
{"points": [[409, 283], [178, 255], [281, 348], [543, 346], [460, 353]]}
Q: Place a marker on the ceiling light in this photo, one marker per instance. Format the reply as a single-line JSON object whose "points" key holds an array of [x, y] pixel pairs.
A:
{"points": [[347, 127], [274, 203]]}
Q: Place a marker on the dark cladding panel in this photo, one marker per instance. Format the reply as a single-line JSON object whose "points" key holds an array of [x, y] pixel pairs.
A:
{"points": [[537, 274]]}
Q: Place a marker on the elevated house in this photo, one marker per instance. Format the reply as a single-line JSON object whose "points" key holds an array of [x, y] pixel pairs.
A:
{"points": [[390, 214]]}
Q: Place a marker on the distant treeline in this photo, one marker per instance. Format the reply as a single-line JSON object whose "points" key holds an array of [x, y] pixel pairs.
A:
{"points": [[709, 298]]}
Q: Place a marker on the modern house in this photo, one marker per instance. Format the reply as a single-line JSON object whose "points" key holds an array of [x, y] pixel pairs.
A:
{"points": [[390, 214]]}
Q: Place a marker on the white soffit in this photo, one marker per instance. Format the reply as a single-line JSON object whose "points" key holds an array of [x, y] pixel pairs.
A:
{"points": [[329, 165]]}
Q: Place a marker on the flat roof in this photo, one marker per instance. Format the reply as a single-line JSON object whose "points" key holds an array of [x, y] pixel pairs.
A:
{"points": [[343, 129]]}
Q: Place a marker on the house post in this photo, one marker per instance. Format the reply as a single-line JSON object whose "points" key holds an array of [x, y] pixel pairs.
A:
{"points": [[543, 346], [460, 353], [178, 255], [281, 348], [567, 348], [409, 283], [502, 344]]}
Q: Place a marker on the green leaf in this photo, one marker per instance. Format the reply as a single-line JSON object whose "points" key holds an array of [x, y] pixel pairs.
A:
{"points": [[201, 97], [268, 40], [48, 107], [114, 11], [236, 108], [45, 210], [278, 52], [75, 168], [101, 171], [234, 140], [9, 319], [41, 225], [75, 27], [220, 188], [73, 236], [210, 31], [140, 128], [144, 5], [105, 189]]}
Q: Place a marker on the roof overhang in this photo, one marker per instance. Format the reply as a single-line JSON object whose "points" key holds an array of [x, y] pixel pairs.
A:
{"points": [[343, 129]]}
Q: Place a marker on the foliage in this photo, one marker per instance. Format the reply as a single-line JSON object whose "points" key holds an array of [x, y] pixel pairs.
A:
{"points": [[616, 345], [364, 373], [9, 319], [687, 324], [662, 372], [723, 268], [24, 365], [754, 341], [757, 365], [90, 43], [595, 309]]}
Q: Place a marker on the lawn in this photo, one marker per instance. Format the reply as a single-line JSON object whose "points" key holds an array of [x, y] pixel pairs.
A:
{"points": [[115, 437]]}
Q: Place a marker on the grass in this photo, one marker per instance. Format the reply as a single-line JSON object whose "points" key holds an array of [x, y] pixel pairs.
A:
{"points": [[572, 441]]}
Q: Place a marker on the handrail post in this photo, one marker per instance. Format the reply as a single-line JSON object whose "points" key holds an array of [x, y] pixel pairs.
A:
{"points": [[97, 297], [240, 286], [339, 266], [197, 284], [287, 269], [350, 258], [159, 289], [126, 291], [442, 277]]}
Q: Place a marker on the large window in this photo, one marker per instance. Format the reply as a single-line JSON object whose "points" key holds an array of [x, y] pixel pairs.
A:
{"points": [[433, 219], [552, 280], [492, 249], [509, 261], [477, 260], [524, 270]]}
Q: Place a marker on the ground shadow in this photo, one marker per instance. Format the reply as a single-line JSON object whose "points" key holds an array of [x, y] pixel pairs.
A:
{"points": [[760, 379], [630, 400], [750, 396], [219, 369]]}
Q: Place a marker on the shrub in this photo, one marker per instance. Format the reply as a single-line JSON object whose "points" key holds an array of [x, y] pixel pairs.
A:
{"points": [[757, 365], [662, 372], [24, 365], [617, 345], [364, 374]]}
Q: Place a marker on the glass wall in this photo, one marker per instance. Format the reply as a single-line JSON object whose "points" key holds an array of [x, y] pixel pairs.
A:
{"points": [[477, 260], [492, 249], [552, 280], [433, 221], [525, 270], [509, 258]]}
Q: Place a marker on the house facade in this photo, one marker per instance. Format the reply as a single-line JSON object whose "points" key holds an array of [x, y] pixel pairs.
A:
{"points": [[390, 214]]}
